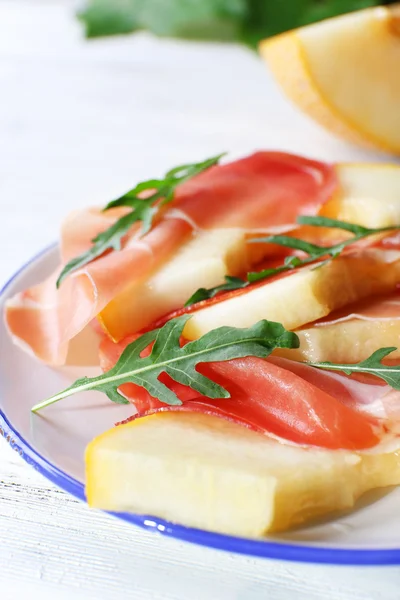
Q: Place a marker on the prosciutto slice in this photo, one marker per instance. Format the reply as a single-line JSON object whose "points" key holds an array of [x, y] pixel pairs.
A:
{"points": [[382, 308], [280, 397], [44, 320], [267, 190]]}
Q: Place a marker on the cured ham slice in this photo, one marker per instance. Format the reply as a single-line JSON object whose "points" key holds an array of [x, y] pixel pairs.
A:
{"points": [[386, 308], [45, 319], [276, 396], [264, 191], [270, 397], [81, 226]]}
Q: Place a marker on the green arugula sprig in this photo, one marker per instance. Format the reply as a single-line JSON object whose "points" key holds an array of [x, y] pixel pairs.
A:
{"points": [[142, 209], [167, 356], [231, 283], [222, 344], [314, 253], [371, 366]]}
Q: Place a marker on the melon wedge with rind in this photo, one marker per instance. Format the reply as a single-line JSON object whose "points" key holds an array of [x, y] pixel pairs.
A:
{"points": [[344, 73]]}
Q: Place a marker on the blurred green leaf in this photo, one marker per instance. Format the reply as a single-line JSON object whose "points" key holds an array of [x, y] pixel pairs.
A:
{"points": [[248, 21], [197, 19], [109, 17]]}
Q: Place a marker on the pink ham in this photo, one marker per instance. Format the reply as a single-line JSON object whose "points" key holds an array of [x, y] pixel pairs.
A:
{"points": [[81, 226], [46, 319], [280, 397], [381, 308], [264, 191]]}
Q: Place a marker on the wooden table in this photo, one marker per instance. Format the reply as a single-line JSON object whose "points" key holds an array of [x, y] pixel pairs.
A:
{"points": [[81, 122]]}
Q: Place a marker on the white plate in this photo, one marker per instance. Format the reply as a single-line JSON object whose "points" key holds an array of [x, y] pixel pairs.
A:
{"points": [[54, 442]]}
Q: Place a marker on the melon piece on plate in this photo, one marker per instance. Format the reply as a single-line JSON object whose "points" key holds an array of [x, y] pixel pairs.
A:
{"points": [[202, 262], [206, 472], [344, 73], [368, 194], [304, 296], [353, 334]]}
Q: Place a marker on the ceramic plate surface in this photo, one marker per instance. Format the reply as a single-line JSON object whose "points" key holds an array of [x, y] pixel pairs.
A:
{"points": [[54, 443]]}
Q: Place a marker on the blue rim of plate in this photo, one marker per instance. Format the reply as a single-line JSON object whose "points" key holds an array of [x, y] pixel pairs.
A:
{"points": [[249, 547]]}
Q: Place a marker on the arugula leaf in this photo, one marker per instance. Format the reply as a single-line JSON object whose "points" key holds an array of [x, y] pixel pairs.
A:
{"points": [[372, 366], [291, 242], [318, 221], [314, 251], [254, 276], [231, 283], [167, 356], [108, 240], [143, 210], [163, 189]]}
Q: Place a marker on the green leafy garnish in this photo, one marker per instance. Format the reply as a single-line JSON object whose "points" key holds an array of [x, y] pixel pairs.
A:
{"points": [[161, 191], [167, 356], [318, 221], [221, 344], [372, 366], [313, 251], [231, 283], [205, 19], [246, 21]]}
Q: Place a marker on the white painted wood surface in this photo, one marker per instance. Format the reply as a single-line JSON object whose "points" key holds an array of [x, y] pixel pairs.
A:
{"points": [[79, 123]]}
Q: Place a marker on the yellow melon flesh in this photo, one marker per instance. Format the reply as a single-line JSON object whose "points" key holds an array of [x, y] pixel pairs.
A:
{"points": [[203, 261], [344, 73], [367, 194], [346, 342], [302, 297], [206, 472]]}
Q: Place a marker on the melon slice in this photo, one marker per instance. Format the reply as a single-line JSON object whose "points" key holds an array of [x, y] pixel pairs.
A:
{"points": [[347, 342], [209, 473], [353, 334], [368, 194], [344, 73], [305, 296], [203, 261]]}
